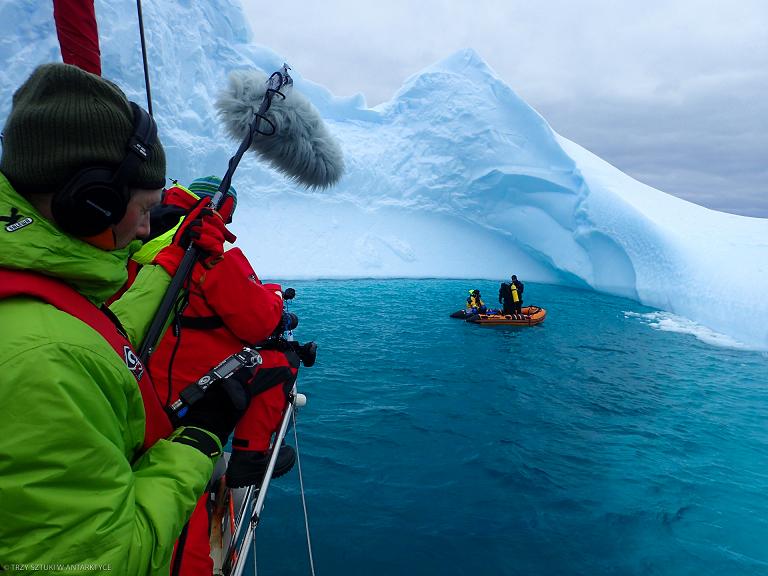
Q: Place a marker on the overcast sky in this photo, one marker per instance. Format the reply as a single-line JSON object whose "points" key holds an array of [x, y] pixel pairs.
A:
{"points": [[672, 92]]}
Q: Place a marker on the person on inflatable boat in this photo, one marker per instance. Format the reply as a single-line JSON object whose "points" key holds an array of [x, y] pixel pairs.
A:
{"points": [[517, 295], [475, 304]]}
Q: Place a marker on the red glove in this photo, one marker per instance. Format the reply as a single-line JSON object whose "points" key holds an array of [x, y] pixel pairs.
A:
{"points": [[227, 208], [204, 228]]}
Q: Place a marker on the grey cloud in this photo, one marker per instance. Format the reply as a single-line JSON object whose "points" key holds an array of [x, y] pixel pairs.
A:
{"points": [[708, 146]]}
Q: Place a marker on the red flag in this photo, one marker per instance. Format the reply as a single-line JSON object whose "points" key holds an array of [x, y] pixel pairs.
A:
{"points": [[78, 34]]}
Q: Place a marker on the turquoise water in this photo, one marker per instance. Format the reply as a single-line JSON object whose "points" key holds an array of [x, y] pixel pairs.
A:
{"points": [[592, 444]]}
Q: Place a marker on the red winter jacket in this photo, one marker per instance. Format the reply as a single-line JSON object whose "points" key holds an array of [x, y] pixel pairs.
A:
{"points": [[228, 308]]}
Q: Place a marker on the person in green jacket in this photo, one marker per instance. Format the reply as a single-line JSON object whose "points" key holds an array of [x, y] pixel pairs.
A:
{"points": [[82, 490]]}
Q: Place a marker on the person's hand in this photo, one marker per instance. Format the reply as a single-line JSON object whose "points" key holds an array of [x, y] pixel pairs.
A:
{"points": [[217, 412], [202, 227], [288, 321]]}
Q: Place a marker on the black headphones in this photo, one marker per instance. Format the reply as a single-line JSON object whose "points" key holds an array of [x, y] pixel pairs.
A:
{"points": [[97, 197]]}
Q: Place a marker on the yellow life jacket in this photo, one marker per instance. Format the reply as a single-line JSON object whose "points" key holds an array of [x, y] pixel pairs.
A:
{"points": [[474, 302]]}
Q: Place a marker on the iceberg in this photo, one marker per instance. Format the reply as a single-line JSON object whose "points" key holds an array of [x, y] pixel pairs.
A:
{"points": [[455, 176]]}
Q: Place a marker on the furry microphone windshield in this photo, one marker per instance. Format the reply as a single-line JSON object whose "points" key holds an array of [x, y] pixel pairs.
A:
{"points": [[301, 146]]}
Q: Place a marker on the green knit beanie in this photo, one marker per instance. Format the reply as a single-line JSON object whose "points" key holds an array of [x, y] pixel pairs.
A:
{"points": [[208, 186], [64, 119]]}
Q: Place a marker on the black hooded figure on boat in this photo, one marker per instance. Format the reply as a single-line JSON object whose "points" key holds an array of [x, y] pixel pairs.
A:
{"points": [[511, 296]]}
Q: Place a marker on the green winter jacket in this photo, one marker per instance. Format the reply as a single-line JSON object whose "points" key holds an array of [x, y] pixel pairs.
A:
{"points": [[76, 495]]}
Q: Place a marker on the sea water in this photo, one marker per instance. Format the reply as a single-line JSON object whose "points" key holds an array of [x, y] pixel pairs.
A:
{"points": [[611, 439]]}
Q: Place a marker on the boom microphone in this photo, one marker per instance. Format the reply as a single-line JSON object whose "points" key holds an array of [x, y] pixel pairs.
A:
{"points": [[301, 147], [298, 145]]}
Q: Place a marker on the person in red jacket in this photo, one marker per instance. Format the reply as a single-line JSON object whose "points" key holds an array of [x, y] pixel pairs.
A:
{"points": [[226, 307]]}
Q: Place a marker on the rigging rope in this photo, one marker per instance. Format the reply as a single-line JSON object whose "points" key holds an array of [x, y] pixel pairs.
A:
{"points": [[303, 499]]}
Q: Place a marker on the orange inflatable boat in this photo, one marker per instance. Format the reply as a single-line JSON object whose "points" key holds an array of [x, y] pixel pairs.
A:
{"points": [[531, 315]]}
